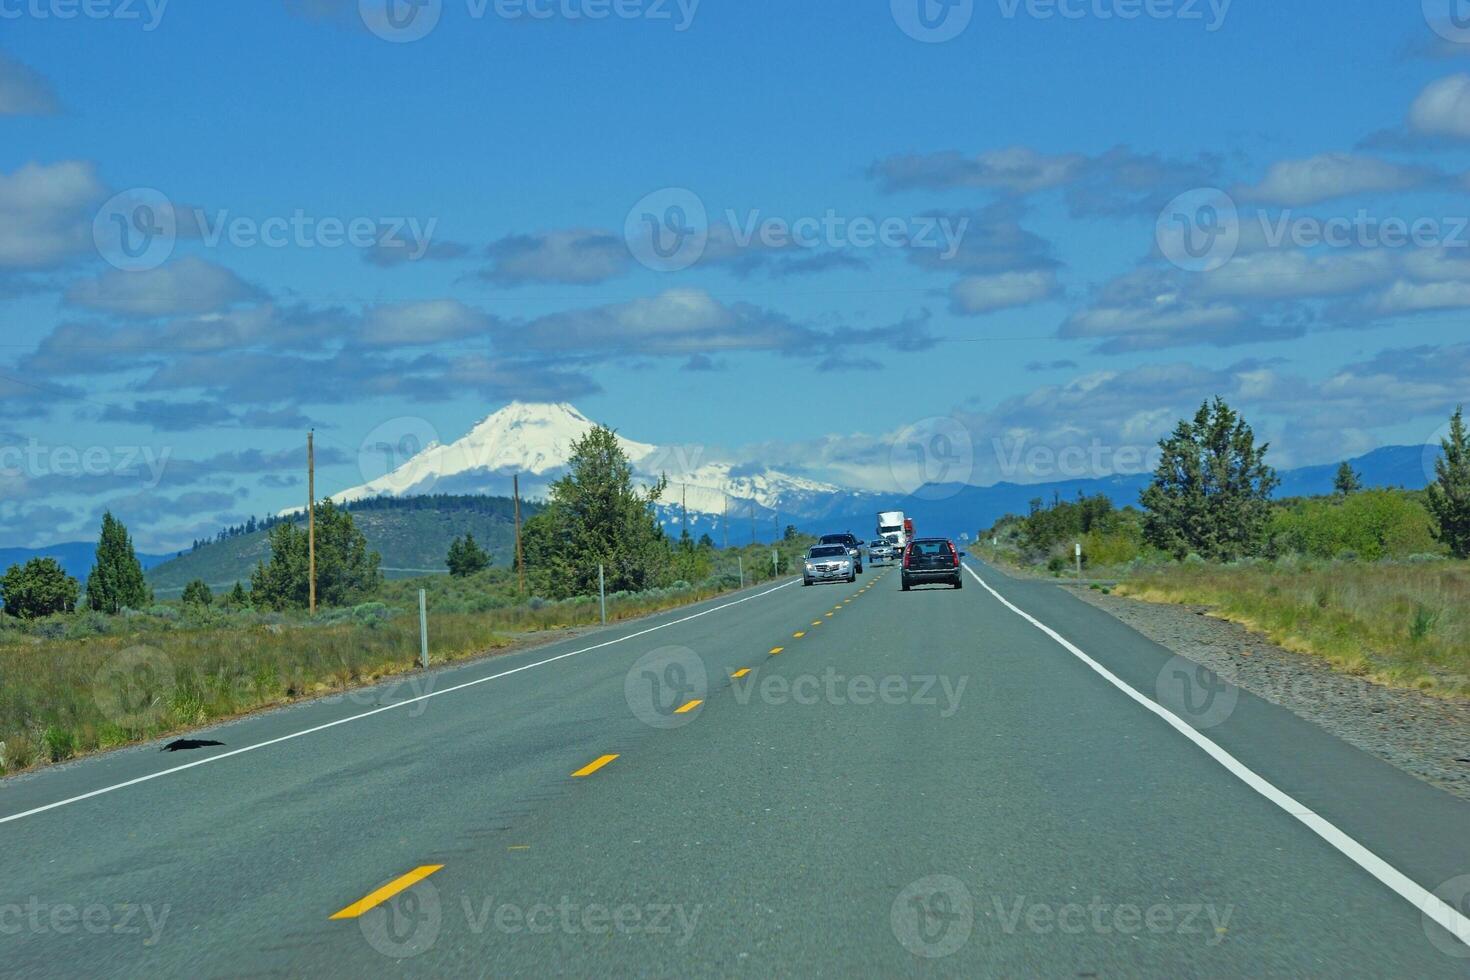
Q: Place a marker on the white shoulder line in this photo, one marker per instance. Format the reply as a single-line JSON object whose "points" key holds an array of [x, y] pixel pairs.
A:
{"points": [[378, 711], [1427, 902]]}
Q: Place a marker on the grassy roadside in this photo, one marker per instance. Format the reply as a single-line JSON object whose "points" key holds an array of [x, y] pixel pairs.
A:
{"points": [[157, 675], [1401, 624]]}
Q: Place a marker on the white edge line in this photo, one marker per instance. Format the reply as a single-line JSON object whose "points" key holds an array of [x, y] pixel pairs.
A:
{"points": [[377, 711], [1427, 902]]}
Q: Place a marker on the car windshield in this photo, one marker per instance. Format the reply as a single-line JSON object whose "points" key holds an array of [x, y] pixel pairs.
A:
{"points": [[835, 539], [834, 551], [878, 544]]}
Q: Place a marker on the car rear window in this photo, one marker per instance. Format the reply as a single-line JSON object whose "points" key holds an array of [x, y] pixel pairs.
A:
{"points": [[834, 552], [932, 547], [834, 539]]}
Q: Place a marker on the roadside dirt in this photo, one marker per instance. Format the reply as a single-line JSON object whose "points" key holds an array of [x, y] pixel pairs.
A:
{"points": [[1425, 736]]}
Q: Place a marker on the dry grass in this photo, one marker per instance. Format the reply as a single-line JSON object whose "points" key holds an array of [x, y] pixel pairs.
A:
{"points": [[65, 697], [1401, 624]]}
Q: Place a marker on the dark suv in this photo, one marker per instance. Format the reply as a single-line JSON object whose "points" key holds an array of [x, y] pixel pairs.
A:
{"points": [[932, 561], [851, 543]]}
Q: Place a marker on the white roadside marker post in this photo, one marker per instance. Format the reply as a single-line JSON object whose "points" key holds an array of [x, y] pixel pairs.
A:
{"points": [[424, 628], [740, 563], [1078, 548]]}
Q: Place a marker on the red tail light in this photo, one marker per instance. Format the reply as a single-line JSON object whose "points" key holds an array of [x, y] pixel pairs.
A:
{"points": [[906, 553], [956, 552]]}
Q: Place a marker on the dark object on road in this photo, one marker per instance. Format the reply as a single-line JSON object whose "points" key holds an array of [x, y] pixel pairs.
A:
{"points": [[189, 744], [932, 561]]}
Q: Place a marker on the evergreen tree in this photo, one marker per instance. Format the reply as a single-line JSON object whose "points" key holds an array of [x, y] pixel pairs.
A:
{"points": [[346, 572], [116, 582], [1448, 496], [1211, 493], [1347, 482], [197, 593], [466, 557], [596, 516], [237, 599], [40, 587]]}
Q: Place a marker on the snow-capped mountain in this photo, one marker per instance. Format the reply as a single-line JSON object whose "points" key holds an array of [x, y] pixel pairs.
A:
{"points": [[534, 441]]}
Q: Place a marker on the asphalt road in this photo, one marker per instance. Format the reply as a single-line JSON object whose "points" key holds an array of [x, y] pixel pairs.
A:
{"points": [[926, 782]]}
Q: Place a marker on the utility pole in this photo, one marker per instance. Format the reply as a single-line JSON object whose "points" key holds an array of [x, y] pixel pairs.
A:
{"points": [[684, 506], [725, 518], [515, 483], [752, 520], [311, 519]]}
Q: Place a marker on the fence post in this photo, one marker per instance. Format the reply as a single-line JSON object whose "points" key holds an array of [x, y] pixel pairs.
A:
{"points": [[740, 562], [775, 563], [1079, 560], [602, 593], [424, 628]]}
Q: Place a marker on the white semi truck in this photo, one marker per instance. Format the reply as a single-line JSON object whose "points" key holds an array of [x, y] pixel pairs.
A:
{"points": [[893, 528]]}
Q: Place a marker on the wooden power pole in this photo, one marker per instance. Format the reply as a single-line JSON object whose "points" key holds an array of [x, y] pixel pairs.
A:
{"points": [[515, 482], [311, 520]]}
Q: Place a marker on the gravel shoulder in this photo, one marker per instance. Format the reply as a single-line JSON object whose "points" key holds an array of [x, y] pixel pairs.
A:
{"points": [[1425, 736]]}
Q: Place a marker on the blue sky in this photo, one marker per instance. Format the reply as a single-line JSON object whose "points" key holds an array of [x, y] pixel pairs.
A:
{"points": [[504, 157]]}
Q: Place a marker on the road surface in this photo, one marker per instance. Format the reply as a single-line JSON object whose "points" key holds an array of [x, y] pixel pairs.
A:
{"points": [[1000, 780]]}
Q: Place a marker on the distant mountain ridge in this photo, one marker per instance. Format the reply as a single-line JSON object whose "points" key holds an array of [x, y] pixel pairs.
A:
{"points": [[77, 557]]}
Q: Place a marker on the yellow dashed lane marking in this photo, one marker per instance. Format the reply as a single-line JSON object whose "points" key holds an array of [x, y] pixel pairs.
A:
{"points": [[689, 707], [741, 672], [776, 650], [798, 635], [594, 765], [382, 895]]}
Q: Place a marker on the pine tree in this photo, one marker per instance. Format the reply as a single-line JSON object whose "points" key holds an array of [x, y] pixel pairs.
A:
{"points": [[1211, 493], [346, 571], [1448, 496], [237, 599], [466, 557], [1347, 482], [595, 516], [197, 593], [40, 587], [116, 582]]}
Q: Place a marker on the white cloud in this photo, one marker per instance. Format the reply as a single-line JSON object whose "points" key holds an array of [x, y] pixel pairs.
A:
{"points": [[1293, 183], [45, 213], [1443, 108], [975, 295], [423, 323], [189, 286]]}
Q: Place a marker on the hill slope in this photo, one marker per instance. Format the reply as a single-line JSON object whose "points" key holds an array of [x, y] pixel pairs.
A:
{"points": [[412, 535]]}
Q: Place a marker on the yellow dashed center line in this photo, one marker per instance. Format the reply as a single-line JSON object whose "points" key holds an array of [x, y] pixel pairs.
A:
{"points": [[741, 672], [798, 635], [593, 766], [689, 707], [382, 895], [776, 650]]}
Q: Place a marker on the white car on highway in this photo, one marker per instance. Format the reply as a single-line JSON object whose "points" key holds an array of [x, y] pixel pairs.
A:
{"points": [[828, 563]]}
